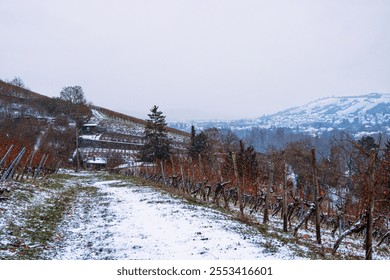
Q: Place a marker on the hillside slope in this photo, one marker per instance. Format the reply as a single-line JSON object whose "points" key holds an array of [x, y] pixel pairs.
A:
{"points": [[46, 125], [117, 138]]}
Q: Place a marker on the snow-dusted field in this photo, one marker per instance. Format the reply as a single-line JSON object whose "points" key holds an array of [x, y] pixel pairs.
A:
{"points": [[125, 221]]}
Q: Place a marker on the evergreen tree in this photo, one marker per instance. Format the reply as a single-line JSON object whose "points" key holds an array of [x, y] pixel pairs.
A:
{"points": [[191, 148], [198, 144], [156, 142]]}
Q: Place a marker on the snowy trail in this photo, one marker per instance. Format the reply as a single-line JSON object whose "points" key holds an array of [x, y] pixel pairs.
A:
{"points": [[125, 221]]}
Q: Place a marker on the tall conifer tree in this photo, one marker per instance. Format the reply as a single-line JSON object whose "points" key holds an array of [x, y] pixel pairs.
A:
{"points": [[156, 141]]}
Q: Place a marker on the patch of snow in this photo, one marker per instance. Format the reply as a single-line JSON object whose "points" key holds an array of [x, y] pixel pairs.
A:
{"points": [[97, 114], [97, 160], [90, 137]]}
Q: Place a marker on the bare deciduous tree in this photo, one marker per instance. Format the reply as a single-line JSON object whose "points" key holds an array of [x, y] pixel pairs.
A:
{"points": [[73, 94]]}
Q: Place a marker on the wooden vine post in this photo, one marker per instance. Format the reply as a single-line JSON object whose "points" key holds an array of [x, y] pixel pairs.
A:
{"points": [[154, 168], [316, 196], [173, 166], [77, 148], [267, 196], [202, 178], [146, 170], [285, 222], [201, 171], [174, 175], [182, 174], [239, 187], [214, 171], [163, 172], [192, 169], [370, 206]]}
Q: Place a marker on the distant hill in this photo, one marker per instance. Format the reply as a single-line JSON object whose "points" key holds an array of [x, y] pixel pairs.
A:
{"points": [[356, 114], [365, 113]]}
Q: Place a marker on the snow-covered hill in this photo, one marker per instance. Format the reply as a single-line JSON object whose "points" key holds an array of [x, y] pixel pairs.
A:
{"points": [[369, 113], [356, 114]]}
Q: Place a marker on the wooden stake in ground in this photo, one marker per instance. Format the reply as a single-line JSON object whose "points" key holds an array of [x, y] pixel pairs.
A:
{"points": [[182, 174], [162, 172], [192, 170], [285, 224], [203, 178], [316, 194], [147, 171], [239, 189], [175, 183], [267, 196], [173, 166], [370, 206]]}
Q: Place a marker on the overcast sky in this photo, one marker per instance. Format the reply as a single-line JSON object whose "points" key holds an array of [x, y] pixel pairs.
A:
{"points": [[198, 59]]}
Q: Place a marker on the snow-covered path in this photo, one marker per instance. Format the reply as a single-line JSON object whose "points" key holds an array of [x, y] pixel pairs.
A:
{"points": [[124, 221]]}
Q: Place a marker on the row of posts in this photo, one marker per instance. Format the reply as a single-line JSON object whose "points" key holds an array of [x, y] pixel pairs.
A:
{"points": [[9, 171], [314, 208]]}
